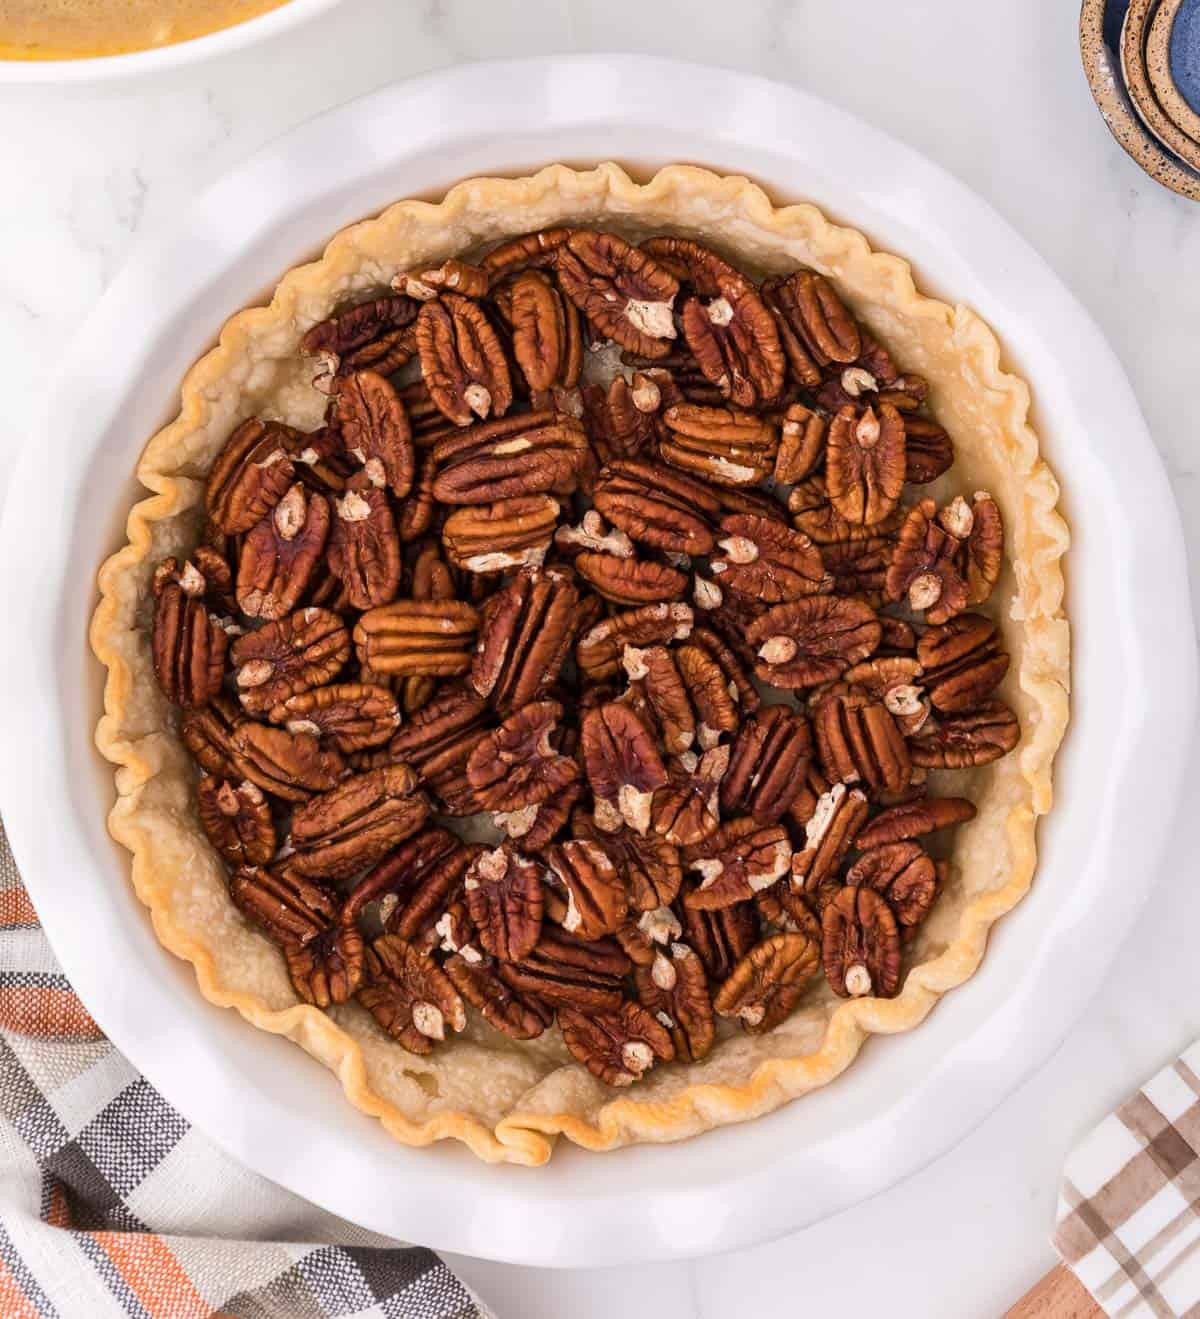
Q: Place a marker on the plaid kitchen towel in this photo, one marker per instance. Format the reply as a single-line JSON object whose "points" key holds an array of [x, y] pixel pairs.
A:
{"points": [[1129, 1205], [112, 1205]]}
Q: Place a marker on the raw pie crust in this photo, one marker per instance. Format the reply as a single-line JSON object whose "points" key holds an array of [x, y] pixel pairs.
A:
{"points": [[505, 1099]]}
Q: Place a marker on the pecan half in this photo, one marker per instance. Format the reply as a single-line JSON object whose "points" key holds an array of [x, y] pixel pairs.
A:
{"points": [[914, 819], [724, 445], [355, 333], [623, 420], [547, 342], [801, 443], [829, 833], [524, 638], [813, 513], [250, 475], [925, 563], [600, 649], [352, 826], [462, 360], [893, 679], [535, 453], [523, 253], [928, 451], [735, 341], [807, 303], [963, 662], [691, 263], [858, 741], [364, 545], [353, 715], [985, 548], [623, 766], [595, 897], [510, 533], [768, 764], [674, 988], [280, 553], [712, 697], [631, 581], [686, 810], [622, 291], [766, 560], [859, 567], [188, 644], [659, 687], [435, 912], [434, 637], [721, 938], [741, 859], [410, 998], [535, 825], [506, 901], [904, 873], [660, 509], [617, 1047], [288, 656], [452, 275], [742, 692], [865, 463], [292, 766], [566, 973], [968, 738], [517, 764], [769, 981], [520, 1017], [208, 731], [860, 944], [374, 430], [812, 640], [648, 862], [438, 741], [404, 873], [237, 820]]}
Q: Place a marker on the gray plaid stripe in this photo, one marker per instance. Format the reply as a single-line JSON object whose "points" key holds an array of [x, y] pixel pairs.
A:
{"points": [[27, 1282], [436, 1294], [287, 1296], [41, 1128], [334, 1276], [129, 1138]]}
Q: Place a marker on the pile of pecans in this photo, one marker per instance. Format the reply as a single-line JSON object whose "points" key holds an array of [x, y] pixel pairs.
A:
{"points": [[658, 632]]}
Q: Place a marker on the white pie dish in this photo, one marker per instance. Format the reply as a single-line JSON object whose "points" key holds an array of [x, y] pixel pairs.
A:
{"points": [[830, 1149]]}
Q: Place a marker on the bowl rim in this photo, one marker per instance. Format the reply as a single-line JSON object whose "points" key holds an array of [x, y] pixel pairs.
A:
{"points": [[810, 1159]]}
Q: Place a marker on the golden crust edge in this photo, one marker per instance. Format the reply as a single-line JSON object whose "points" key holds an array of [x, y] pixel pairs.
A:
{"points": [[527, 1138]]}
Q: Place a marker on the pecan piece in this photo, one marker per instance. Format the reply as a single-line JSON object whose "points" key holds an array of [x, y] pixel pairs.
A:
{"points": [[510, 533], [349, 828], [914, 819], [837, 817], [188, 644], [353, 715], [925, 563], [928, 450], [593, 533], [207, 732], [566, 973], [736, 342], [452, 275], [353, 333], [617, 1047], [769, 981], [622, 291], [600, 649], [537, 824], [813, 513], [858, 741], [596, 901], [660, 509], [524, 638], [631, 581], [768, 765], [686, 810], [237, 820], [903, 873], [517, 764], [985, 548], [506, 901], [280, 553], [963, 662], [766, 560], [409, 997], [288, 656], [623, 766], [801, 444], [374, 429], [721, 938], [648, 862], [812, 640], [434, 637], [860, 944], [250, 475], [674, 988], [865, 464], [292, 766], [725, 445], [968, 738], [462, 360], [532, 454], [364, 546], [414, 518], [547, 342], [741, 859], [520, 1017]]}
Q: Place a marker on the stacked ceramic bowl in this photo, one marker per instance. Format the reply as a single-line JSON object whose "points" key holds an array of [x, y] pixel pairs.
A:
{"points": [[1142, 59]]}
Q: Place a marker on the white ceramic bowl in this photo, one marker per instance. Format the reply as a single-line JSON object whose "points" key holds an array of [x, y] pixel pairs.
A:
{"points": [[905, 1100], [106, 68]]}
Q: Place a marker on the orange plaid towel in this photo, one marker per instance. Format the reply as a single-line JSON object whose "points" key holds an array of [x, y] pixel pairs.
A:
{"points": [[112, 1205]]}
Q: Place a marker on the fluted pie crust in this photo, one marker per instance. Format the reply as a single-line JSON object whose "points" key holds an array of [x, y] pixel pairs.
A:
{"points": [[507, 1100]]}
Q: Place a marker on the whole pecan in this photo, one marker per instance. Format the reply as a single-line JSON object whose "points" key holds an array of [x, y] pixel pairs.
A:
{"points": [[860, 944], [374, 430], [914, 820], [720, 938], [768, 764], [686, 810], [768, 982], [928, 450], [409, 996], [801, 443], [546, 339], [517, 764], [858, 741], [353, 715], [812, 640], [433, 637], [648, 862], [535, 453], [452, 275], [364, 546], [622, 291], [725, 445], [600, 649], [813, 512], [352, 826], [354, 332], [596, 900], [661, 509], [735, 341], [288, 656], [462, 360], [524, 638], [904, 873], [829, 834], [865, 463], [742, 858], [237, 820], [674, 988], [506, 901], [520, 1017], [207, 732], [567, 973], [623, 766], [925, 567], [292, 766], [510, 533], [618, 1047], [188, 644], [631, 581], [250, 475], [963, 662], [967, 738], [766, 560], [280, 552]]}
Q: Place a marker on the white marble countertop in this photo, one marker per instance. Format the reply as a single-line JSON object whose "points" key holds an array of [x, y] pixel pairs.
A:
{"points": [[995, 94]]}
